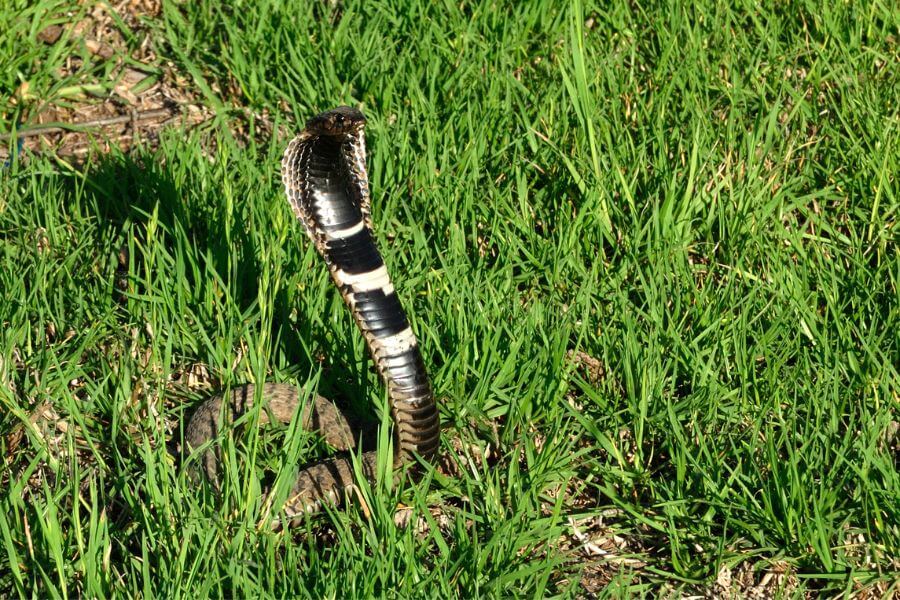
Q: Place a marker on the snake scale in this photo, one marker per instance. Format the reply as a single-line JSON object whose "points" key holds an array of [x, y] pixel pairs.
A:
{"points": [[327, 187]]}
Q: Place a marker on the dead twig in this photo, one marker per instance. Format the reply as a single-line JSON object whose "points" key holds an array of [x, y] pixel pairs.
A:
{"points": [[64, 127]]}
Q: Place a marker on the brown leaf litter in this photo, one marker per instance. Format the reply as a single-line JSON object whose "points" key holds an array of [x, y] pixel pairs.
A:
{"points": [[121, 93]]}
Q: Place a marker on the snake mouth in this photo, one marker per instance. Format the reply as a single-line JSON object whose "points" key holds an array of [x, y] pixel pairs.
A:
{"points": [[339, 121]]}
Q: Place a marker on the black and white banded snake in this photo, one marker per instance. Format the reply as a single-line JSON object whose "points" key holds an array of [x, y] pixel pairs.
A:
{"points": [[327, 187]]}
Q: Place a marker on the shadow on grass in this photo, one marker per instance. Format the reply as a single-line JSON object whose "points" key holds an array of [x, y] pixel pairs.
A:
{"points": [[163, 218]]}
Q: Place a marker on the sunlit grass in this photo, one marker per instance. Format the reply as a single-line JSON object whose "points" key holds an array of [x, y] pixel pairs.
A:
{"points": [[701, 203]]}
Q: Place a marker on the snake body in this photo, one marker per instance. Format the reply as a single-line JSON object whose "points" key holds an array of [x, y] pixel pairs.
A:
{"points": [[327, 187]]}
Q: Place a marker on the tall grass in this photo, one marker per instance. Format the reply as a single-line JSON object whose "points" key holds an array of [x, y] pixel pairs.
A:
{"points": [[650, 253]]}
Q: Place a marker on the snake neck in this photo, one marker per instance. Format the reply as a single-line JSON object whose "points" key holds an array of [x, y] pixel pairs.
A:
{"points": [[331, 200]]}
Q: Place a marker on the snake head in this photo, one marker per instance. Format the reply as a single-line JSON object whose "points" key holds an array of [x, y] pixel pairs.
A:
{"points": [[337, 121]]}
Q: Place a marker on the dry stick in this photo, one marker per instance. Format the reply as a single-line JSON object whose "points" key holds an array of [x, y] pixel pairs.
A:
{"points": [[134, 117]]}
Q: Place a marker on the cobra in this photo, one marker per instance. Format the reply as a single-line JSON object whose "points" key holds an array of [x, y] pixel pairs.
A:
{"points": [[327, 187]]}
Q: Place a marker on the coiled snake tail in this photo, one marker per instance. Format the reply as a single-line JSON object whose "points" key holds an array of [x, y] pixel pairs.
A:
{"points": [[324, 176]]}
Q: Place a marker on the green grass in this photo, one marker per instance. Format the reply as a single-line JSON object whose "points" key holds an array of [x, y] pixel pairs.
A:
{"points": [[703, 199]]}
